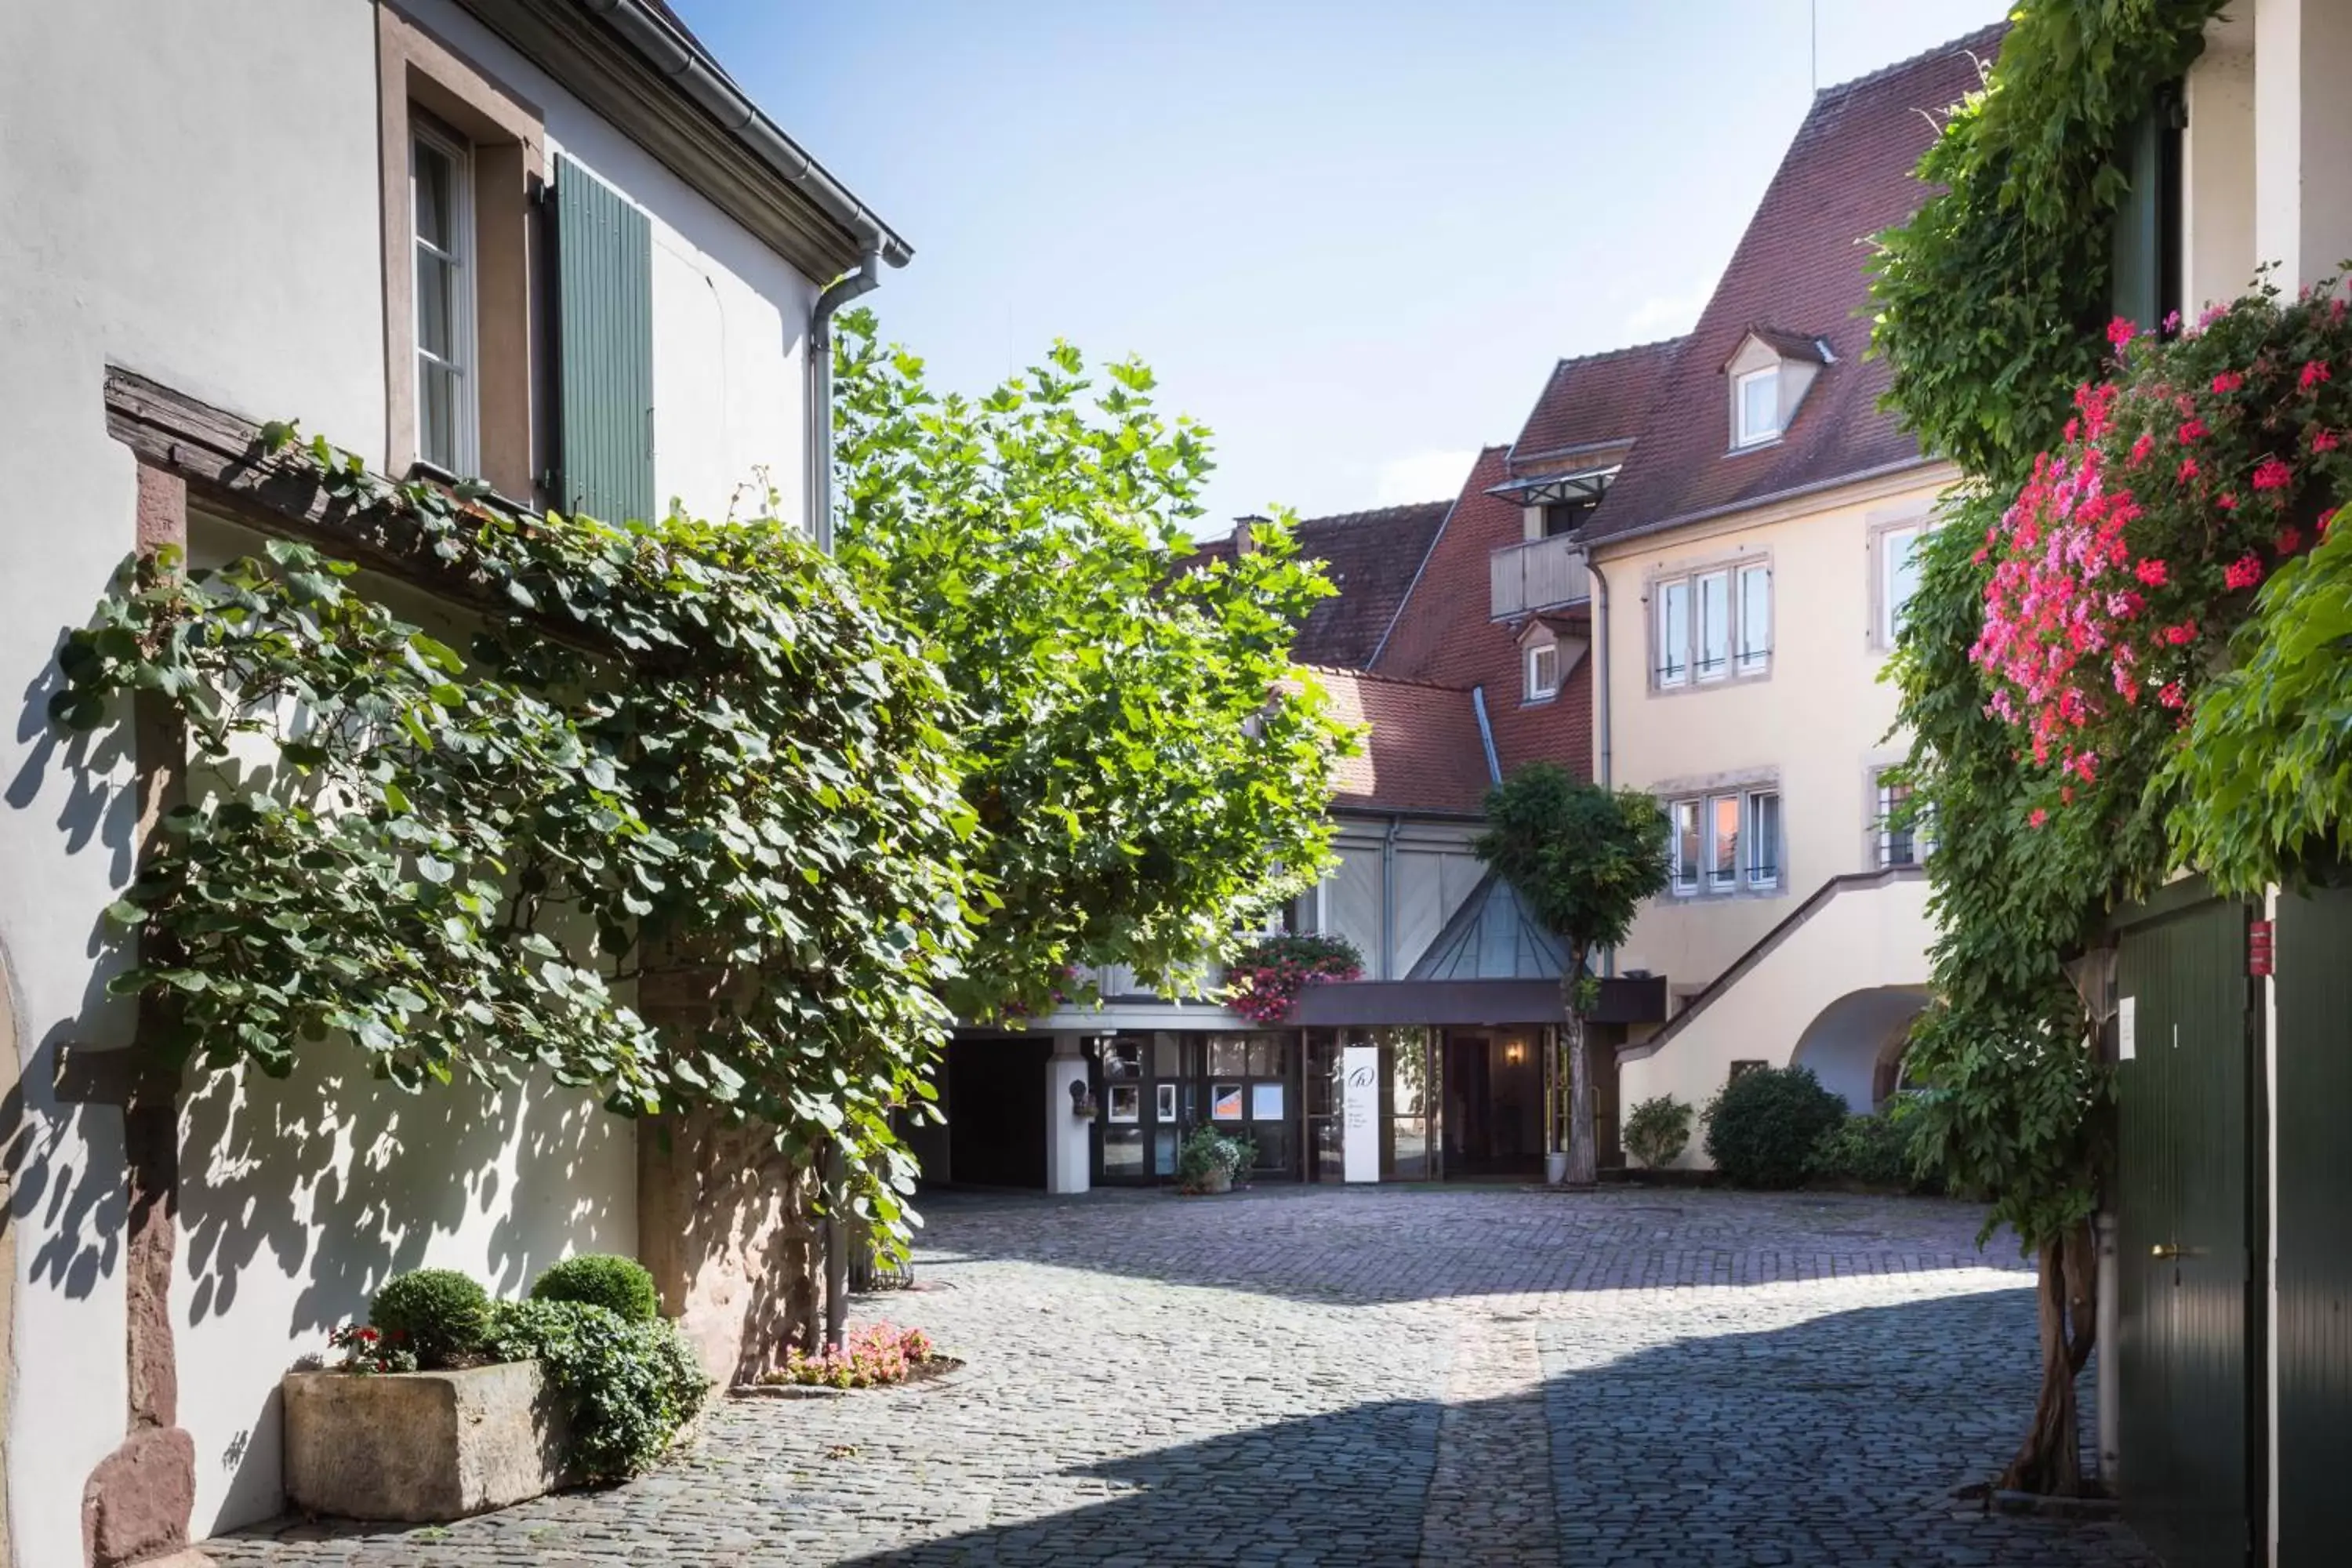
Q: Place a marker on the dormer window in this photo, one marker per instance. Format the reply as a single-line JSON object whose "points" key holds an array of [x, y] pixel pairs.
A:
{"points": [[1549, 649], [1769, 375], [1543, 672], [1757, 398]]}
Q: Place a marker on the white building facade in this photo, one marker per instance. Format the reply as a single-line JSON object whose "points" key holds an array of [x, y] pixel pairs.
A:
{"points": [[533, 241]]}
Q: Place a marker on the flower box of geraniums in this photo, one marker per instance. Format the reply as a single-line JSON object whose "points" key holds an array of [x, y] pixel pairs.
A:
{"points": [[448, 1403], [1265, 978]]}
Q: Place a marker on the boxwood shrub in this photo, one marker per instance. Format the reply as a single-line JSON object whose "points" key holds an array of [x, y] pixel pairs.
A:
{"points": [[1763, 1126], [601, 1279], [440, 1314]]}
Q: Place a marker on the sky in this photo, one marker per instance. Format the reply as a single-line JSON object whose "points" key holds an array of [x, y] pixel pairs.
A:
{"points": [[1351, 237]]}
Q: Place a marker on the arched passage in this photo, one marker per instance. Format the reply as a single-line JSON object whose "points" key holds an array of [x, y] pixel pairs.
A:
{"points": [[1855, 1043]]}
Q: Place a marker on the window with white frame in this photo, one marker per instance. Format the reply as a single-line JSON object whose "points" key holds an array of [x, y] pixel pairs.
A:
{"points": [[1542, 672], [1714, 624], [1898, 837], [1898, 577], [441, 205], [1726, 841], [1756, 406]]}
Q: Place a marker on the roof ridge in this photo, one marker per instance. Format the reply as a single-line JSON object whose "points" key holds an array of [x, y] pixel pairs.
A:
{"points": [[1355, 674], [1597, 355], [1393, 508], [1990, 33]]}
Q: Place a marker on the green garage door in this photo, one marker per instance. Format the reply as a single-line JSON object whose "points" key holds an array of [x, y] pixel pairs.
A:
{"points": [[2186, 1204], [2315, 1229]]}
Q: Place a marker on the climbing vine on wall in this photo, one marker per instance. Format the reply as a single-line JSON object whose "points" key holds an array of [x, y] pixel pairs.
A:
{"points": [[1990, 302], [683, 748]]}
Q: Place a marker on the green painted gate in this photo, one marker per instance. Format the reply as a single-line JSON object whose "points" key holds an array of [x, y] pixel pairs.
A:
{"points": [[2313, 1216], [2187, 1200]]}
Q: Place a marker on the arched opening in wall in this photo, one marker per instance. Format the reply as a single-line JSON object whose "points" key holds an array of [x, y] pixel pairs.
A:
{"points": [[1855, 1045]]}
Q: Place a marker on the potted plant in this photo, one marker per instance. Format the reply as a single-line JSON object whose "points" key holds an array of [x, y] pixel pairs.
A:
{"points": [[448, 1403], [1207, 1162]]}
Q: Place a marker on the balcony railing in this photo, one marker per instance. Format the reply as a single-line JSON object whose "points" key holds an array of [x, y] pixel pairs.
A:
{"points": [[1541, 574]]}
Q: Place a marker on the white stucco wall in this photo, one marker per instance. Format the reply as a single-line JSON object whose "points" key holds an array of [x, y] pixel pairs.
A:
{"points": [[1816, 727], [299, 1196], [195, 195]]}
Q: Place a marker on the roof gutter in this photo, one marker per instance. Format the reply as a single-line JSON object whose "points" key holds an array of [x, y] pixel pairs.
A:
{"points": [[660, 45], [1750, 503]]}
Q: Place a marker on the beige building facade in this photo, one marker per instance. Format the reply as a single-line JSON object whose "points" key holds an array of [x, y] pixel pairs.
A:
{"points": [[1750, 570]]}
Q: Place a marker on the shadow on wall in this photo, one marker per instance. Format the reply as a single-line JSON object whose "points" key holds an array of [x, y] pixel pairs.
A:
{"points": [[1835, 1440], [298, 1197], [68, 1201]]}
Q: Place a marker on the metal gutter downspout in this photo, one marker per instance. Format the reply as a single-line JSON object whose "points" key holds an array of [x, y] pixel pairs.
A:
{"points": [[838, 293], [1486, 735], [1602, 765], [1388, 897]]}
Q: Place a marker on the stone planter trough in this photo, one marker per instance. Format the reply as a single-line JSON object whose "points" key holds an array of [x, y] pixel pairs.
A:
{"points": [[421, 1446]]}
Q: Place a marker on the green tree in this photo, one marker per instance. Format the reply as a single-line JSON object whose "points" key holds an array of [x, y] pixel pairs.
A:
{"points": [[1582, 859], [1147, 768]]}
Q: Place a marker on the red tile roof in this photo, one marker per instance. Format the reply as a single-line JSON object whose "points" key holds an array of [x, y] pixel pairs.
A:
{"points": [[1371, 557], [1796, 276], [1594, 401], [1422, 752], [1442, 634]]}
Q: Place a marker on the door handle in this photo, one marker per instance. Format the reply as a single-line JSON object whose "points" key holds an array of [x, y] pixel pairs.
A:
{"points": [[2169, 1250]]}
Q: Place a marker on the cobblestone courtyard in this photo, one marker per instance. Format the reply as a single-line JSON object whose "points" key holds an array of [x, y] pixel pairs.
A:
{"points": [[1367, 1377]]}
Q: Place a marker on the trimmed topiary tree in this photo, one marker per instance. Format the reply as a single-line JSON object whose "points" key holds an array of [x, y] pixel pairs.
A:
{"points": [[1582, 859], [1763, 1126], [601, 1279], [440, 1314]]}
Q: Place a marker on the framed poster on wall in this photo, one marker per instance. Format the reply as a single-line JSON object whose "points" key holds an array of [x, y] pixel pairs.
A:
{"points": [[1226, 1103], [1164, 1098], [1126, 1103]]}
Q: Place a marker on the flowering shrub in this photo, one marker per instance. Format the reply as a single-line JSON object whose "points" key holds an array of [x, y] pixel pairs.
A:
{"points": [[874, 1353], [2131, 552], [369, 1351], [1267, 975]]}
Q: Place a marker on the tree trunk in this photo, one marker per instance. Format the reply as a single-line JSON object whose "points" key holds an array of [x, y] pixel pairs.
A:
{"points": [[1583, 1164], [2050, 1460]]}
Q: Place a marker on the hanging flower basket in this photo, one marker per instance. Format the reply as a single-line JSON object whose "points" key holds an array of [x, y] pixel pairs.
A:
{"points": [[1265, 977]]}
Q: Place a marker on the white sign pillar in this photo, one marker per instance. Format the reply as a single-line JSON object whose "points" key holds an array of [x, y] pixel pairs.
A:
{"points": [[1068, 1144], [1361, 1108]]}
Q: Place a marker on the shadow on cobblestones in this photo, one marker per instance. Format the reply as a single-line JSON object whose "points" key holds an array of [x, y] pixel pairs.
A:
{"points": [[1836, 1441]]}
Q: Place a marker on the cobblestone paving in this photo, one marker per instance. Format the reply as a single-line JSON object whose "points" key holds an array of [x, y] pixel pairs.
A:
{"points": [[1365, 1378]]}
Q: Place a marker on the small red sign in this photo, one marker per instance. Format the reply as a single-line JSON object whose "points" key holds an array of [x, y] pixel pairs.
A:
{"points": [[2258, 948]]}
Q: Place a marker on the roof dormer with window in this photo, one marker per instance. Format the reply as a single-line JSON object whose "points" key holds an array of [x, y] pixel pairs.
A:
{"points": [[1768, 377]]}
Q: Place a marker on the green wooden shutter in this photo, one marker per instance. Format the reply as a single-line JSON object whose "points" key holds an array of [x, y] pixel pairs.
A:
{"points": [[604, 349]]}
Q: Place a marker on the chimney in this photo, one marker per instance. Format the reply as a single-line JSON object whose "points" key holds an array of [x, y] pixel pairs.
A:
{"points": [[1242, 542]]}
